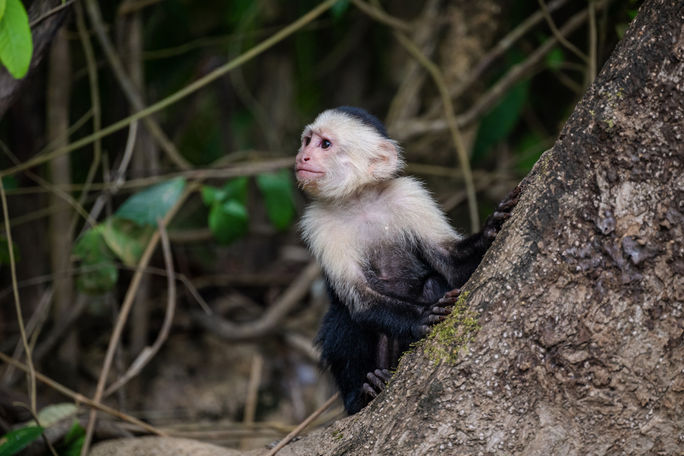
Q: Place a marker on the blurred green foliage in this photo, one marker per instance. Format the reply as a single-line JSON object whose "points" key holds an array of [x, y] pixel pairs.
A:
{"points": [[278, 197], [15, 441]]}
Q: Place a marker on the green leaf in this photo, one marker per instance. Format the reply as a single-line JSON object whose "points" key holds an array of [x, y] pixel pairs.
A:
{"points": [[145, 207], [9, 182], [15, 441], [98, 271], [339, 8], [210, 195], [528, 150], [3, 3], [278, 196], [501, 120], [73, 441], [555, 58], [125, 238], [234, 189], [228, 221], [4, 251], [51, 414], [16, 44]]}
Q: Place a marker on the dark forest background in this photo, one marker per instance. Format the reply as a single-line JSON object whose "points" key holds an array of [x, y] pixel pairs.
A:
{"points": [[199, 197]]}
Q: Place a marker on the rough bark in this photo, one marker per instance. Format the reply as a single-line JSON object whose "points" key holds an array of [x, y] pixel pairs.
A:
{"points": [[581, 347], [42, 34], [581, 341]]}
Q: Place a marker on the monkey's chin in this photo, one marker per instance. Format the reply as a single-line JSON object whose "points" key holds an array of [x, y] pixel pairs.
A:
{"points": [[309, 186]]}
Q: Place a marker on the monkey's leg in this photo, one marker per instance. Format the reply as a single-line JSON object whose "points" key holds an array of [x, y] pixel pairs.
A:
{"points": [[350, 352]]}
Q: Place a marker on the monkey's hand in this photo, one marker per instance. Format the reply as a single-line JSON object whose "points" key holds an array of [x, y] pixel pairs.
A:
{"points": [[502, 213], [376, 382], [437, 312]]}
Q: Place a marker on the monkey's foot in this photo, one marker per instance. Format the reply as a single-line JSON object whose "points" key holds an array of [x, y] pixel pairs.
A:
{"points": [[502, 213], [376, 382]]}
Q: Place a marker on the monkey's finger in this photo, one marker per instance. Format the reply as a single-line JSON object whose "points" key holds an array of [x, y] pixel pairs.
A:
{"points": [[446, 310], [447, 300], [423, 330], [435, 318], [384, 374], [499, 216], [508, 203], [453, 293], [369, 390], [375, 381]]}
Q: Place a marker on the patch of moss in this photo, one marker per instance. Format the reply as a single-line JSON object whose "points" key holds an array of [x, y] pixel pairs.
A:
{"points": [[337, 435], [448, 338]]}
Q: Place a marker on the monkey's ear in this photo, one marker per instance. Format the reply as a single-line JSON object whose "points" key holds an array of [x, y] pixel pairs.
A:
{"points": [[387, 162]]}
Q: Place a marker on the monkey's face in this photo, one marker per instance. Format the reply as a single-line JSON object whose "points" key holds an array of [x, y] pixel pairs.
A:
{"points": [[311, 163], [339, 155]]}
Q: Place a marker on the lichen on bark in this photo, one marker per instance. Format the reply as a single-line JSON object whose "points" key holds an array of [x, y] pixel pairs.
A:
{"points": [[451, 337]]}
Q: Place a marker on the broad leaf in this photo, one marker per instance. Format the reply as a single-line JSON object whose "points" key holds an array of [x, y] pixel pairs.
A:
{"points": [[15, 441], [98, 271], [228, 221], [16, 44], [73, 441], [3, 3], [339, 8], [278, 196], [4, 251], [236, 189], [211, 195], [145, 207], [555, 58], [51, 414], [126, 239], [501, 120]]}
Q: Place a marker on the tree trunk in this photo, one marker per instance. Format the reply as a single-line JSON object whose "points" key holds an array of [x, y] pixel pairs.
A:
{"points": [[580, 346], [57, 126], [581, 342]]}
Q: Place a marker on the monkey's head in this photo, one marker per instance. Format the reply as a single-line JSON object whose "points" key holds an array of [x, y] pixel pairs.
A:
{"points": [[342, 151]]}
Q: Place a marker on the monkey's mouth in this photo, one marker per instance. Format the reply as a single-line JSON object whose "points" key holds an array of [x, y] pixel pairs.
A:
{"points": [[307, 173]]}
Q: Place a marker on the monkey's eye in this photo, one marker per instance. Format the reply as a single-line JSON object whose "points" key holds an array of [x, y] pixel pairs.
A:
{"points": [[306, 140], [325, 144]]}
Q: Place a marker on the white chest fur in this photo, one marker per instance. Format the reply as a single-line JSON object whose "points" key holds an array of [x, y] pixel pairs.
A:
{"points": [[340, 233]]}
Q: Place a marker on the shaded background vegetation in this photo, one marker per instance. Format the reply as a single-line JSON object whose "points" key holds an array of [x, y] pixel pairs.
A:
{"points": [[247, 300]]}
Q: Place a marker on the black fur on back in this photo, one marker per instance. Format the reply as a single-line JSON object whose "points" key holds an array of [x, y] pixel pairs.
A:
{"points": [[365, 117]]}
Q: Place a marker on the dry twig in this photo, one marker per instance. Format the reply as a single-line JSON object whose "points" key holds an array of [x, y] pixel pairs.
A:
{"points": [[79, 398], [123, 315], [148, 352], [271, 318], [129, 89], [20, 319], [179, 95]]}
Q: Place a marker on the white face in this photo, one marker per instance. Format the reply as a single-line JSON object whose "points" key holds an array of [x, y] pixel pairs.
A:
{"points": [[313, 159], [339, 154]]}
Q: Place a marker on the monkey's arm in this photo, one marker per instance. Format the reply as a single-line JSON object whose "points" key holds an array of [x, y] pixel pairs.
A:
{"points": [[394, 316], [459, 260]]}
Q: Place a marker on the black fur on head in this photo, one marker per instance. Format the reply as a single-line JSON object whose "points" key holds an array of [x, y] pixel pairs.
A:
{"points": [[365, 117]]}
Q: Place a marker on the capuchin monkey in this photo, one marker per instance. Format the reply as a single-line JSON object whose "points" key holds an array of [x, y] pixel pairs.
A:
{"points": [[391, 261]]}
